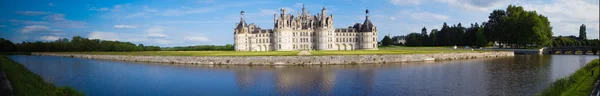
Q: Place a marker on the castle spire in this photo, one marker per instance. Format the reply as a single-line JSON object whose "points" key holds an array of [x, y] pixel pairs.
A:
{"points": [[367, 13], [242, 15], [303, 10]]}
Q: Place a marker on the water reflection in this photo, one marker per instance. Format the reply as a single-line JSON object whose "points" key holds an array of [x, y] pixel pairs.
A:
{"points": [[519, 75]]}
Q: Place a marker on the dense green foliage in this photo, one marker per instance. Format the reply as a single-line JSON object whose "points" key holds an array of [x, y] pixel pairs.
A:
{"points": [[580, 83], [513, 26], [582, 34], [386, 41], [449, 36], [81, 44], [574, 41], [519, 28], [227, 47], [7, 46], [27, 83]]}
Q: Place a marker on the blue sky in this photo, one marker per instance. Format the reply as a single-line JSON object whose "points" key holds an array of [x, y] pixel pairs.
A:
{"points": [[202, 22]]}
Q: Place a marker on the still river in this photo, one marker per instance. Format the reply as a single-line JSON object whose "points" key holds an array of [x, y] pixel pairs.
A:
{"points": [[518, 75]]}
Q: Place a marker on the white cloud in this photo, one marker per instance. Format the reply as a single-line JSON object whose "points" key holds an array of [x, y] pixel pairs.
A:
{"points": [[163, 41], [406, 2], [206, 1], [299, 5], [27, 22], [55, 17], [156, 35], [49, 38], [148, 9], [197, 38], [98, 9], [267, 12], [124, 26], [68, 24], [59, 20], [156, 32], [50, 4], [392, 18], [34, 28], [567, 15], [2, 26], [180, 12], [32, 13], [478, 5], [289, 10], [422, 15], [103, 35], [136, 15]]}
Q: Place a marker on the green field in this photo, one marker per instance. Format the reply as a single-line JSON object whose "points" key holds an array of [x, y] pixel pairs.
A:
{"points": [[382, 50], [580, 83], [395, 50], [27, 83], [192, 53]]}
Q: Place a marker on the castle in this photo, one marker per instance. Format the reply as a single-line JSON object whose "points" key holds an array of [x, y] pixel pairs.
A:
{"points": [[304, 32]]}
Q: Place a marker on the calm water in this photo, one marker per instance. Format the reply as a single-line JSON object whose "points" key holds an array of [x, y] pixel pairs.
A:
{"points": [[519, 75]]}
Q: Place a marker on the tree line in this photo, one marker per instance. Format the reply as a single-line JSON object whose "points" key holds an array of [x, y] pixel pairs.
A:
{"points": [[512, 27], [79, 44], [574, 41], [76, 44]]}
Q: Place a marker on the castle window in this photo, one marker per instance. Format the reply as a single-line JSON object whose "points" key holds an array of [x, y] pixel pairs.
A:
{"points": [[279, 46]]}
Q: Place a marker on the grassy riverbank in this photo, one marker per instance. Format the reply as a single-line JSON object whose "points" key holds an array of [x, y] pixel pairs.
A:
{"points": [[395, 50], [27, 83], [580, 83], [383, 50]]}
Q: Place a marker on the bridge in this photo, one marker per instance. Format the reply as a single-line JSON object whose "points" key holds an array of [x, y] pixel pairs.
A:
{"points": [[573, 50]]}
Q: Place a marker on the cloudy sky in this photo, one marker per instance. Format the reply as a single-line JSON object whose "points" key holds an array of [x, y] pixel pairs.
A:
{"points": [[201, 22]]}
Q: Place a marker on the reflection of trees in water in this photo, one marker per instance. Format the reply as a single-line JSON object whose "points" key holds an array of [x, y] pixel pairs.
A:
{"points": [[519, 75]]}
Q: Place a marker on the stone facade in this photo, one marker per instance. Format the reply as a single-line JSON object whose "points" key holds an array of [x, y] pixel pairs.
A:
{"points": [[304, 32], [290, 60]]}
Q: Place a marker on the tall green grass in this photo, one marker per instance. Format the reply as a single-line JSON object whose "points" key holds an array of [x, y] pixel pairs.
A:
{"points": [[27, 83], [580, 83]]}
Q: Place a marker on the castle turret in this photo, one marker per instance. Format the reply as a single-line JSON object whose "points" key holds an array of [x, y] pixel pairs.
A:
{"points": [[367, 25], [303, 10], [242, 24]]}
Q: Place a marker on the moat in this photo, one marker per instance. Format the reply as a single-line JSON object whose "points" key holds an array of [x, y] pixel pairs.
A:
{"points": [[518, 75]]}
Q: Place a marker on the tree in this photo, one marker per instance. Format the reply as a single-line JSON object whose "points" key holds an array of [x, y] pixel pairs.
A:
{"points": [[414, 39], [433, 38], [480, 38], [582, 34], [7, 46], [518, 27], [386, 41], [494, 27], [424, 31]]}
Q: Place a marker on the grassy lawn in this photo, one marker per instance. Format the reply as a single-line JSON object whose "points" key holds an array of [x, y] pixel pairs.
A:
{"points": [[382, 50], [395, 50], [193, 53], [580, 83], [27, 83]]}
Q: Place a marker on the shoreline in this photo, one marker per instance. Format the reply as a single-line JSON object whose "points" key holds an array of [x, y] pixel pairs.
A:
{"points": [[289, 60]]}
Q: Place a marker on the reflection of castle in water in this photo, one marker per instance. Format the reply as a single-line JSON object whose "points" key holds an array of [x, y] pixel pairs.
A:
{"points": [[302, 81]]}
